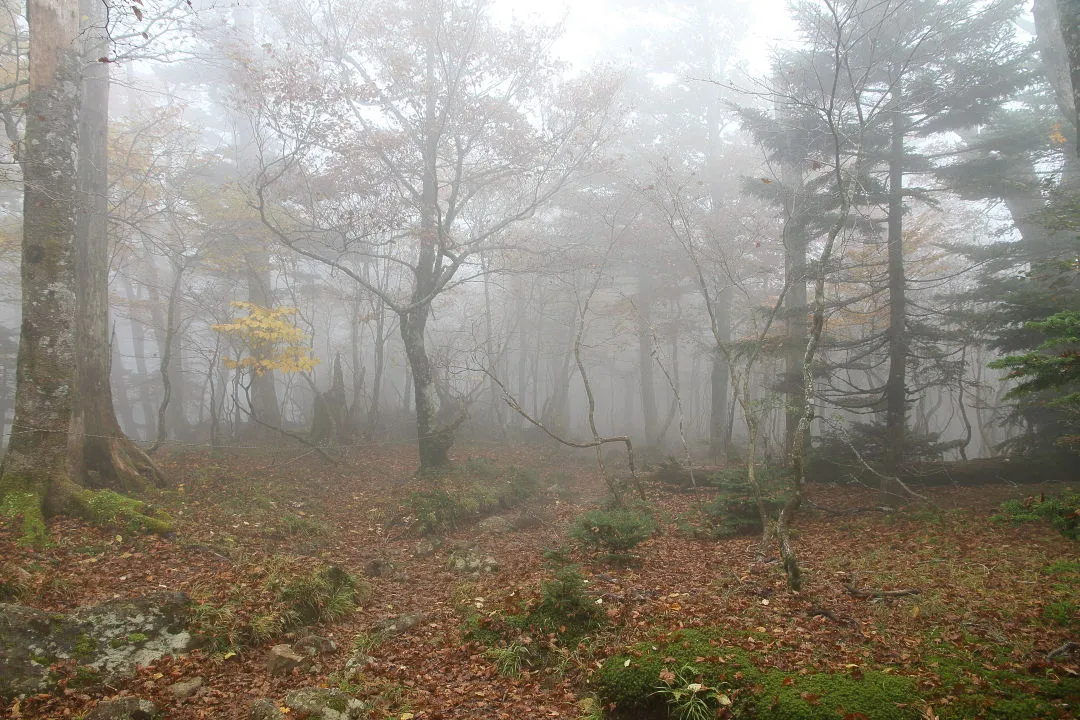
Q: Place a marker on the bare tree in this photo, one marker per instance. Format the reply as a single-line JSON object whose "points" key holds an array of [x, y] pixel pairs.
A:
{"points": [[451, 130]]}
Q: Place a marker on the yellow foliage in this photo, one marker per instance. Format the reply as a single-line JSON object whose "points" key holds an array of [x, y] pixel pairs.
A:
{"points": [[273, 342], [1056, 135]]}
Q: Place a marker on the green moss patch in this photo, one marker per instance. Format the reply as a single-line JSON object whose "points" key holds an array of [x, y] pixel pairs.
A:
{"points": [[27, 506], [111, 508], [867, 695]]}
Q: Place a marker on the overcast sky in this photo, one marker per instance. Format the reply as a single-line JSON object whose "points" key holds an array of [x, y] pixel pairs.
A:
{"points": [[590, 23]]}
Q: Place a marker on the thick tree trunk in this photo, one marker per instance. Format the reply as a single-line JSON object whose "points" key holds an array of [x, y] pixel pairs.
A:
{"points": [[36, 472], [434, 442], [101, 455], [1069, 18], [896, 385]]}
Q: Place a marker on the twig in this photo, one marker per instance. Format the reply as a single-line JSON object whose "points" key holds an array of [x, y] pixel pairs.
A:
{"points": [[1067, 648]]}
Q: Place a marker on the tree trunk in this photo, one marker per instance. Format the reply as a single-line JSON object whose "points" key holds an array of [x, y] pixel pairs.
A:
{"points": [[36, 471], [1069, 18], [896, 385], [165, 366], [142, 372], [264, 402], [645, 357], [795, 246], [101, 455], [434, 441]]}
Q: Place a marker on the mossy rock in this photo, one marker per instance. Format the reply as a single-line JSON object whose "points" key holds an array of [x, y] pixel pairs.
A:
{"points": [[111, 508], [834, 696]]}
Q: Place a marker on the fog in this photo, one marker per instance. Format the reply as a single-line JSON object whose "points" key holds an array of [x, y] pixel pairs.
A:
{"points": [[342, 222]]}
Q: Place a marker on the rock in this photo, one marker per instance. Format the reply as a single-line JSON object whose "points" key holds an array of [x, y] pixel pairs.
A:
{"points": [[494, 524], [325, 704], [265, 710], [187, 688], [471, 561], [126, 708], [426, 547], [314, 645], [530, 518], [281, 659], [400, 624], [379, 567], [111, 639]]}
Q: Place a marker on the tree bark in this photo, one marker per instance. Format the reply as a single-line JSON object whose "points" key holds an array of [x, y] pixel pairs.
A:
{"points": [[645, 357], [36, 471], [895, 385], [264, 400], [101, 455]]}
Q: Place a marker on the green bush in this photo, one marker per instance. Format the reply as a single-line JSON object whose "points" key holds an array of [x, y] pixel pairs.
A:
{"points": [[564, 614], [616, 531], [325, 595], [734, 510], [1063, 513]]}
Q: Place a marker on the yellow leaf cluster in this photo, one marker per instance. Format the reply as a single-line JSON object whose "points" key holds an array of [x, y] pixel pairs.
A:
{"points": [[271, 339]]}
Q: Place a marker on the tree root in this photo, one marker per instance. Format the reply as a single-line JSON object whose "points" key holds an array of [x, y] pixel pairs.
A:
{"points": [[855, 591]]}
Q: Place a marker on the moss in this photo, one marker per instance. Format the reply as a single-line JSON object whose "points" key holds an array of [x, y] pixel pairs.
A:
{"points": [[27, 506], [112, 508], [833, 696], [969, 689], [629, 681], [84, 646], [137, 637]]}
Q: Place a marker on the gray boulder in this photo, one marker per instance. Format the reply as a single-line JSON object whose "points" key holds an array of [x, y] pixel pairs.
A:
{"points": [[112, 639], [127, 708], [282, 658], [325, 704], [265, 710]]}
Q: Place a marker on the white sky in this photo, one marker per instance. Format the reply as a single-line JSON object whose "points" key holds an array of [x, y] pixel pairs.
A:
{"points": [[589, 22]]}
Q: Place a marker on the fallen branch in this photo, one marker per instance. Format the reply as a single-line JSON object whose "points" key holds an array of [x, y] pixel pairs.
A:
{"points": [[1066, 649]]}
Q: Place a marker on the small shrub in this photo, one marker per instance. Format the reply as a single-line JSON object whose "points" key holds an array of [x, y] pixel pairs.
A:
{"points": [[510, 660], [564, 614], [734, 511], [616, 531], [688, 697], [326, 595], [300, 526], [1062, 612], [1063, 513]]}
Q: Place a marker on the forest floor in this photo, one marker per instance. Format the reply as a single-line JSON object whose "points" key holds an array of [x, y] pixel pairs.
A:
{"points": [[1000, 594]]}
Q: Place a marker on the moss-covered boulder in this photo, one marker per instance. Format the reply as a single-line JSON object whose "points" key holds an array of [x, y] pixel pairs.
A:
{"points": [[109, 640], [325, 704]]}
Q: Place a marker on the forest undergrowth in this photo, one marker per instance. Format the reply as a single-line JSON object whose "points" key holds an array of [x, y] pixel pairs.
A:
{"points": [[948, 607]]}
